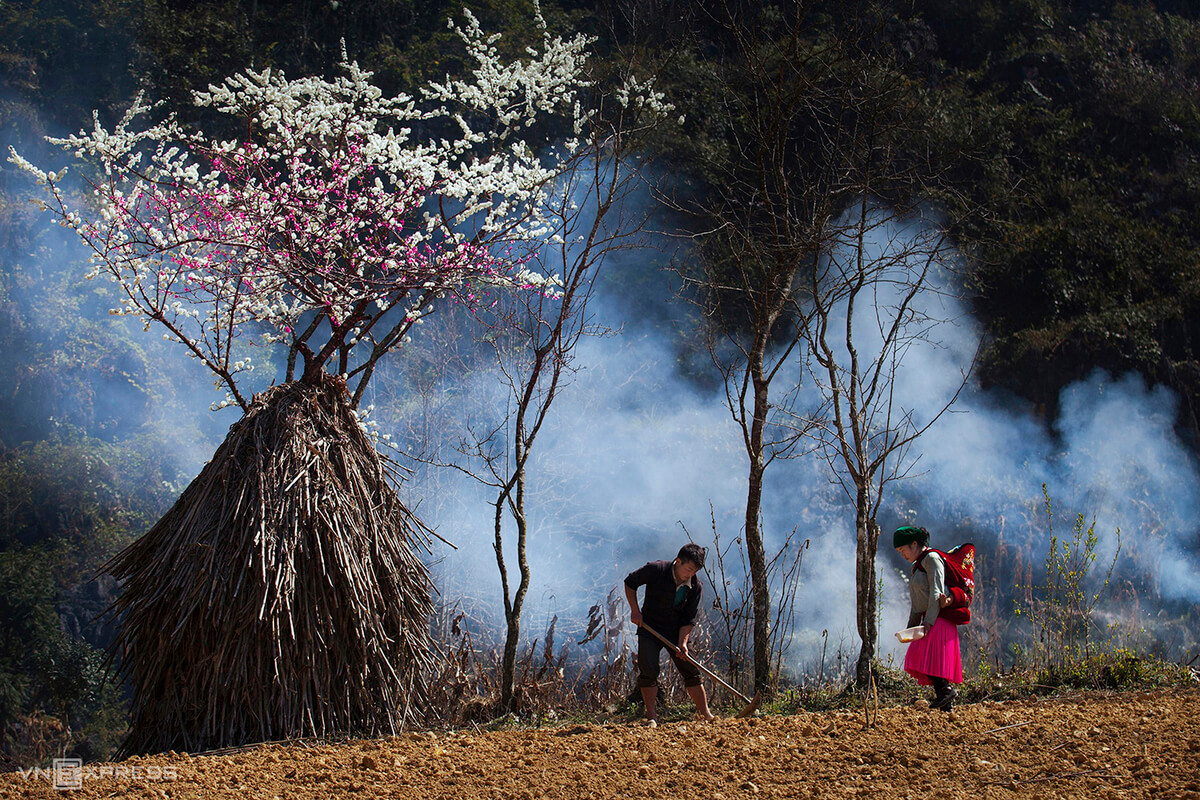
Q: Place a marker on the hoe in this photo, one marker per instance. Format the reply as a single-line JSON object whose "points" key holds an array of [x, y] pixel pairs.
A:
{"points": [[751, 703]]}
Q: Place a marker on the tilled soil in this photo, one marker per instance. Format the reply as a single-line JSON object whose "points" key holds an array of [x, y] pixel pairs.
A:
{"points": [[1086, 745]]}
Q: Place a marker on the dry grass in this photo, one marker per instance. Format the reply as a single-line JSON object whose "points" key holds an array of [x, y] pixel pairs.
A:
{"points": [[553, 679]]}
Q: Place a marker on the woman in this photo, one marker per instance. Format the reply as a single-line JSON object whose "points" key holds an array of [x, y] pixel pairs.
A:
{"points": [[933, 659]]}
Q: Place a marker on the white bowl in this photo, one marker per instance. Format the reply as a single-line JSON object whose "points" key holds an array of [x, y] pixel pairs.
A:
{"points": [[910, 634]]}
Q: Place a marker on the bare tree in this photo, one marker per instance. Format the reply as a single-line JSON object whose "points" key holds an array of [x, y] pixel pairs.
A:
{"points": [[817, 121], [872, 301], [532, 338]]}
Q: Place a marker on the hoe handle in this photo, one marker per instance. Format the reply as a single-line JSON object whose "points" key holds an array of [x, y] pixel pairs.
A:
{"points": [[695, 663]]}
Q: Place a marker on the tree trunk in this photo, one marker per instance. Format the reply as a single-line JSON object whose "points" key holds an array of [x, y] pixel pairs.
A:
{"points": [[508, 669], [867, 532], [515, 496], [755, 548]]}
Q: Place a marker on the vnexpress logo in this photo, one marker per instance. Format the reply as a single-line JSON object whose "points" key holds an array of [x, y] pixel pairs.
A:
{"points": [[70, 773], [67, 773]]}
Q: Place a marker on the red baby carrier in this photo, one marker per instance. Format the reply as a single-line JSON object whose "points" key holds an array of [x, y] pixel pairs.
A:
{"points": [[960, 581]]}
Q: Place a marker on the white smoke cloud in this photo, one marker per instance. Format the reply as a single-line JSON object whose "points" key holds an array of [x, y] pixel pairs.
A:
{"points": [[634, 450]]}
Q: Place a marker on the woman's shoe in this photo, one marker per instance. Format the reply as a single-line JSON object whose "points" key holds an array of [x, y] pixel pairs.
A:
{"points": [[945, 700]]}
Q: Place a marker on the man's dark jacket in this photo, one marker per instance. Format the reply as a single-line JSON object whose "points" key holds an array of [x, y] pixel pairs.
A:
{"points": [[659, 607]]}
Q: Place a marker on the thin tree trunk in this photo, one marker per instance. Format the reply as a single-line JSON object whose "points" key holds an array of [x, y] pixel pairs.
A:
{"points": [[867, 532], [512, 638], [755, 548], [514, 608]]}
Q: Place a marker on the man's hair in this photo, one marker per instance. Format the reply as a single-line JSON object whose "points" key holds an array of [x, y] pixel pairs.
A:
{"points": [[693, 553]]}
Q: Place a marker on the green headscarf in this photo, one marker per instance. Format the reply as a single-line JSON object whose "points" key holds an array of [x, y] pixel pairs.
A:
{"points": [[909, 534]]}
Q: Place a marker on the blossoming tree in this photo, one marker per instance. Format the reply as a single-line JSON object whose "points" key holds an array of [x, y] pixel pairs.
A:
{"points": [[280, 596], [331, 225]]}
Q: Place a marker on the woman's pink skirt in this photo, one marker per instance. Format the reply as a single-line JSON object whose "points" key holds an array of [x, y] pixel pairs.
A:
{"points": [[935, 655]]}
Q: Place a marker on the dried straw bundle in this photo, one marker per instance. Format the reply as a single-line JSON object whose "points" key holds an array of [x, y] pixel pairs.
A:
{"points": [[280, 596]]}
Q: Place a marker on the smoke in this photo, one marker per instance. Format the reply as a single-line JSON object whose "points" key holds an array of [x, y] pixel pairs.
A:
{"points": [[69, 365], [637, 455], [1111, 455]]}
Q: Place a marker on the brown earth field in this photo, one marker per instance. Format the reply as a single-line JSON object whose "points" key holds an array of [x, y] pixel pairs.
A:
{"points": [[1144, 744]]}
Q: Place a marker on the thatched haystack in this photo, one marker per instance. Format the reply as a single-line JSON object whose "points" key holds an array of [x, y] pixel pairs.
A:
{"points": [[280, 596]]}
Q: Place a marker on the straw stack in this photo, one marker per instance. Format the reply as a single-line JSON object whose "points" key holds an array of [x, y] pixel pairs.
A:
{"points": [[280, 596]]}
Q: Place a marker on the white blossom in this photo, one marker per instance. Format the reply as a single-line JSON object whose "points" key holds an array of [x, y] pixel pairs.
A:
{"points": [[201, 235]]}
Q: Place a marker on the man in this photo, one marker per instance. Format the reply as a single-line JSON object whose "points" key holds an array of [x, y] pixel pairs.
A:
{"points": [[670, 607]]}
